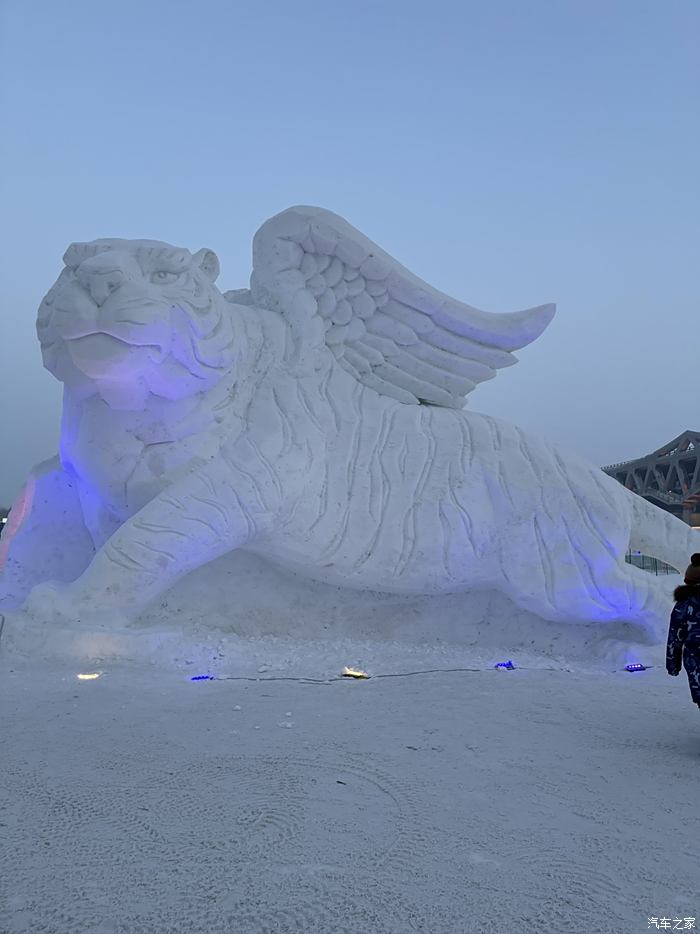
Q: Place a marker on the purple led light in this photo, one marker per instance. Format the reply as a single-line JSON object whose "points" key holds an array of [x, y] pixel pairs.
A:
{"points": [[202, 678], [508, 665], [636, 667]]}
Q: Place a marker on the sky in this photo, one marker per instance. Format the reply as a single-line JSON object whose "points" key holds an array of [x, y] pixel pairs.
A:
{"points": [[509, 152]]}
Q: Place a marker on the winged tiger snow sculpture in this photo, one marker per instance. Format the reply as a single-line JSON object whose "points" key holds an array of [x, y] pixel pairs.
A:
{"points": [[316, 419]]}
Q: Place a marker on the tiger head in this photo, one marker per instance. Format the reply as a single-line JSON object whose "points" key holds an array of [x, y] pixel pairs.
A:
{"points": [[129, 318]]}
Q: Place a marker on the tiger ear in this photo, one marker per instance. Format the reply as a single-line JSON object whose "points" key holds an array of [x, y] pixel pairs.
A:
{"points": [[208, 262]]}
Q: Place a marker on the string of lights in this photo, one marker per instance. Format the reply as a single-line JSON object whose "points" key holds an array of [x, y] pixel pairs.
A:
{"points": [[506, 666], [352, 674]]}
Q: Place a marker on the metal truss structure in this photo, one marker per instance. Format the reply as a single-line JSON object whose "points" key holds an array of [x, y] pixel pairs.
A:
{"points": [[669, 478]]}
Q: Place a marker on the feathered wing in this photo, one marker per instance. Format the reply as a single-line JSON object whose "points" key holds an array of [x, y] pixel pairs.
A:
{"points": [[389, 329]]}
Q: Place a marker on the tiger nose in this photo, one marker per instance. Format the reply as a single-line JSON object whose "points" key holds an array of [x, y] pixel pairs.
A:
{"points": [[101, 283]]}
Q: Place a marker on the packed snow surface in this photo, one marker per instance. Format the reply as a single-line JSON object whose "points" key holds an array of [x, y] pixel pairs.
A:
{"points": [[539, 799]]}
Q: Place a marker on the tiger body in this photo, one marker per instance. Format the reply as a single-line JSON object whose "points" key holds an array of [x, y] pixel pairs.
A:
{"points": [[363, 491]]}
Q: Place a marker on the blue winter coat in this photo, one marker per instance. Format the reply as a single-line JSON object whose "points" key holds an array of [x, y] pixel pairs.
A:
{"points": [[684, 637]]}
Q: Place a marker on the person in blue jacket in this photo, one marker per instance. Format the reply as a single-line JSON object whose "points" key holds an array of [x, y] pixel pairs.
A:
{"points": [[683, 643]]}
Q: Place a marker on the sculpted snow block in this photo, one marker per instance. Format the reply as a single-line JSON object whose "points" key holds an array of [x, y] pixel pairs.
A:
{"points": [[317, 419]]}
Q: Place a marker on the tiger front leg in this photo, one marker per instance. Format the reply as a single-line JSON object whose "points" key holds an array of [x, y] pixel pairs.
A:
{"points": [[197, 520]]}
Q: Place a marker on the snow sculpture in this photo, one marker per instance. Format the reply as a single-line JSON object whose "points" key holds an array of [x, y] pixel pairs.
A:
{"points": [[316, 419]]}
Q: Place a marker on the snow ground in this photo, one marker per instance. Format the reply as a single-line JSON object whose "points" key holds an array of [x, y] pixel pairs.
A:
{"points": [[531, 801]]}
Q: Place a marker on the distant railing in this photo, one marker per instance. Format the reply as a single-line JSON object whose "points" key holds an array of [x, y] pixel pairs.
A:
{"points": [[647, 563], [608, 467]]}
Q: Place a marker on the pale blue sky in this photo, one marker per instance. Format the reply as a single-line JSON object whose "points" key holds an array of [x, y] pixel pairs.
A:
{"points": [[510, 152]]}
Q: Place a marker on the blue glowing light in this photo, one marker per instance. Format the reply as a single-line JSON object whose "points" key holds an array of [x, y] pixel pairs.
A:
{"points": [[202, 678], [636, 667], [509, 665]]}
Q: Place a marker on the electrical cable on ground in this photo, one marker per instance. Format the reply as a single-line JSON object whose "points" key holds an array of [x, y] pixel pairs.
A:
{"points": [[399, 674]]}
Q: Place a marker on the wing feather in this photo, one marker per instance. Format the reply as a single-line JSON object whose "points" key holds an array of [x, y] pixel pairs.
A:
{"points": [[386, 326], [421, 389], [471, 370]]}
